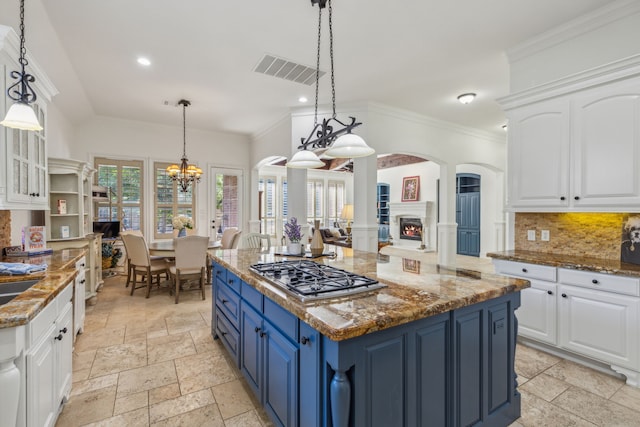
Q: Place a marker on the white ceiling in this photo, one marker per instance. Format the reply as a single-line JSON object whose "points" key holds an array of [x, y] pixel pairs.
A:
{"points": [[416, 55]]}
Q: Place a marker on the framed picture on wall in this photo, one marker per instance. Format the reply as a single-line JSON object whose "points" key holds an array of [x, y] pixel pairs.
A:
{"points": [[410, 188], [410, 265]]}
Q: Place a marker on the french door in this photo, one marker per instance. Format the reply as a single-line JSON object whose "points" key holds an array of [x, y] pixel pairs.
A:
{"points": [[225, 208]]}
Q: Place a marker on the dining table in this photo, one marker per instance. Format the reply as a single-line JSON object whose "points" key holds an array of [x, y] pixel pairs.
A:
{"points": [[166, 249]]}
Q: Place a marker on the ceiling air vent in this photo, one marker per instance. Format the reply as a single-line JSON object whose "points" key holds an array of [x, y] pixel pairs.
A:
{"points": [[285, 69]]}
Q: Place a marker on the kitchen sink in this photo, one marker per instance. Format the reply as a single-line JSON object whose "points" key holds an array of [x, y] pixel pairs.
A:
{"points": [[10, 290]]}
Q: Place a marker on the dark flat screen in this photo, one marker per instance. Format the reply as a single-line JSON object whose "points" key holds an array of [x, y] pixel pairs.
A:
{"points": [[109, 229]]}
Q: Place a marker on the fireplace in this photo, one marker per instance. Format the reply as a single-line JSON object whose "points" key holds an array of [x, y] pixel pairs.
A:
{"points": [[411, 229]]}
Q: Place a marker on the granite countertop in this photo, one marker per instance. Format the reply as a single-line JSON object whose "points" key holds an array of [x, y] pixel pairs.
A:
{"points": [[60, 271], [597, 265], [414, 290]]}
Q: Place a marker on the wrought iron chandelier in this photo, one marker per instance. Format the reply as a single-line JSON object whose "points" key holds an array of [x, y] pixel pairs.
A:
{"points": [[184, 174], [21, 115], [331, 135]]}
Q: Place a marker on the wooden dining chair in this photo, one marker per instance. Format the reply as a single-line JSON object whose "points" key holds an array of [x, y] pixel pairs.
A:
{"points": [[141, 263], [257, 241], [191, 260], [128, 259]]}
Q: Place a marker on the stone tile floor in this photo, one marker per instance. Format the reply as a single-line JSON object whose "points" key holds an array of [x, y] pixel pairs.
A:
{"points": [[150, 362]]}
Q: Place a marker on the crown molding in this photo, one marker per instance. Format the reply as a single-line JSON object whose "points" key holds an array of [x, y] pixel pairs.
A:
{"points": [[607, 73], [574, 28]]}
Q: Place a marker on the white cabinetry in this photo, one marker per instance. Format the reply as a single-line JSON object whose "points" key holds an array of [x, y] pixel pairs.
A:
{"points": [[606, 145], [577, 151], [48, 360], [591, 314], [69, 183], [27, 165], [539, 155], [23, 154], [79, 292]]}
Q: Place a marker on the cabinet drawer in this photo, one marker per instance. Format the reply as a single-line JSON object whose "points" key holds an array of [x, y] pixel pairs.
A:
{"points": [[81, 264], [229, 336], [603, 282], [252, 296], [281, 319], [48, 315], [219, 272], [233, 281], [228, 302], [525, 270]]}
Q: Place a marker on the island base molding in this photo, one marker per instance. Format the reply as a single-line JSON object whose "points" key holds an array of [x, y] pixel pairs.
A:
{"points": [[452, 369]]}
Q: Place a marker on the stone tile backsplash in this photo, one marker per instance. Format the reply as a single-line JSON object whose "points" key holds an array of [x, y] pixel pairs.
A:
{"points": [[5, 229], [580, 234]]}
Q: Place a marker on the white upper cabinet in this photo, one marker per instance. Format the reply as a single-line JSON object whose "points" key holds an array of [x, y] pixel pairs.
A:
{"points": [[23, 154], [27, 166], [539, 155], [606, 145], [576, 149]]}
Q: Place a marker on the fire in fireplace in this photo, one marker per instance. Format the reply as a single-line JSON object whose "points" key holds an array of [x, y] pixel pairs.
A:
{"points": [[410, 229]]}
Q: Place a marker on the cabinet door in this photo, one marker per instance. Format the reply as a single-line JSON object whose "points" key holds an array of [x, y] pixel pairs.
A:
{"points": [[27, 166], [78, 300], [64, 350], [537, 312], [18, 166], [538, 154], [41, 365], [602, 325], [38, 159], [280, 394], [309, 382], [606, 150], [251, 347]]}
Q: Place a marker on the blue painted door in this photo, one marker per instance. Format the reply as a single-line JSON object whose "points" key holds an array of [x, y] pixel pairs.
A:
{"points": [[310, 381], [468, 214], [280, 394], [251, 348]]}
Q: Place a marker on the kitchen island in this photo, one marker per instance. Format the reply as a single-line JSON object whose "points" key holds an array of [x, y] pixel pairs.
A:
{"points": [[434, 347]]}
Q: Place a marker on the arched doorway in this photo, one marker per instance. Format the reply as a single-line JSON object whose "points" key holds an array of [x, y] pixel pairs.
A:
{"points": [[468, 213]]}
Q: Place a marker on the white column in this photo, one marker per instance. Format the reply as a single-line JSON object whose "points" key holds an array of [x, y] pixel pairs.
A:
{"points": [[297, 199], [365, 228], [447, 227], [500, 223]]}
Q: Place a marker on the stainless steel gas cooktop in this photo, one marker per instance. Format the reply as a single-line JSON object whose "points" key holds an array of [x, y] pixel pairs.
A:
{"points": [[307, 280]]}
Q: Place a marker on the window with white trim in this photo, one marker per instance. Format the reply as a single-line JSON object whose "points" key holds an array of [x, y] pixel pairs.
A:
{"points": [[170, 201], [125, 178]]}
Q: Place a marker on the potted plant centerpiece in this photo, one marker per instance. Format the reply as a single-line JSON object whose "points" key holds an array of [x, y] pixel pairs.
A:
{"points": [[292, 231], [181, 223]]}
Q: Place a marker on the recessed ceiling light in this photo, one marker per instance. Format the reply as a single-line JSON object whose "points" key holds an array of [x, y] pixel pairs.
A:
{"points": [[466, 98], [302, 99], [144, 61]]}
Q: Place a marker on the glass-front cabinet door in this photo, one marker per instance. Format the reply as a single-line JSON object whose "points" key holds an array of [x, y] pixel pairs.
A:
{"points": [[27, 166]]}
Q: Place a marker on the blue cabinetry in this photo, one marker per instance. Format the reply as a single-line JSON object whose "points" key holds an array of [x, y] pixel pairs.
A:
{"points": [[383, 212], [263, 339], [452, 369]]}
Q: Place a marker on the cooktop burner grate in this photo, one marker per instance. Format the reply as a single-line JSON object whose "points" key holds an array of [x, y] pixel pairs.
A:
{"points": [[308, 280]]}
